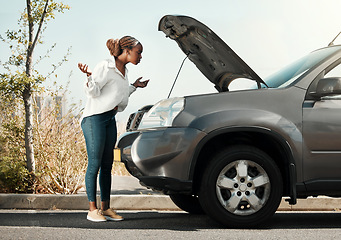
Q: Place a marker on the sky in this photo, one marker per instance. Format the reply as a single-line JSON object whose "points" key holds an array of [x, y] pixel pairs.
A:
{"points": [[266, 34]]}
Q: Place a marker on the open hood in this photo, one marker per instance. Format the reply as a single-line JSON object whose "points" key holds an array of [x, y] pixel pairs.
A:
{"points": [[216, 60]]}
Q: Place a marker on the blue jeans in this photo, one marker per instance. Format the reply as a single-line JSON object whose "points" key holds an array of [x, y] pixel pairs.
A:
{"points": [[100, 135]]}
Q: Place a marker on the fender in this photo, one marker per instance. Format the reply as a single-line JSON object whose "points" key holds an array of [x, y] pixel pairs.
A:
{"points": [[290, 164]]}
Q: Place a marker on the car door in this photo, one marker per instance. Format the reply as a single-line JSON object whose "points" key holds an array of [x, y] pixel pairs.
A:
{"points": [[322, 138]]}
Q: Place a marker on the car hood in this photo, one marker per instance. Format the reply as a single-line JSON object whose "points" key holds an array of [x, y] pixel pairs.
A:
{"points": [[212, 56]]}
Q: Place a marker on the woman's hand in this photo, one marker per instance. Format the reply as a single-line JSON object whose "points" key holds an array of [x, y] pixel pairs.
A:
{"points": [[142, 84], [84, 69]]}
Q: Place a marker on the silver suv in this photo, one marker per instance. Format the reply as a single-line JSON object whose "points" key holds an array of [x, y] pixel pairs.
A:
{"points": [[234, 154]]}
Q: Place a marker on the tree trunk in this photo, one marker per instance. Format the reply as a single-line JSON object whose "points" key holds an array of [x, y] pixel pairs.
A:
{"points": [[27, 93], [29, 129]]}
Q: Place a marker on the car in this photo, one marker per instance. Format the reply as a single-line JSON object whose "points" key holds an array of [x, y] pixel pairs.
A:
{"points": [[234, 155]]}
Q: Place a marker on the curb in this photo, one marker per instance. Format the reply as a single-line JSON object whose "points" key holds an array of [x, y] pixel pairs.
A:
{"points": [[80, 202], [320, 203], [139, 202]]}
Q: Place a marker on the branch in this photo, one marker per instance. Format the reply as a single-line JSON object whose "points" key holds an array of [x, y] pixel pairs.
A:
{"points": [[30, 22], [46, 55], [40, 25], [55, 67]]}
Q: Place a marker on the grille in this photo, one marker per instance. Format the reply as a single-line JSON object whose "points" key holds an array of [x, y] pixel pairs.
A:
{"points": [[135, 118], [130, 120]]}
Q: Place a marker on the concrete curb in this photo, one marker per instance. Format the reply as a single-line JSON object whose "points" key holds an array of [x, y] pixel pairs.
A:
{"points": [[320, 203], [80, 202], [139, 202]]}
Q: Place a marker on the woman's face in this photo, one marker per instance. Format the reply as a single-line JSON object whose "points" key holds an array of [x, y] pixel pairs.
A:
{"points": [[135, 54]]}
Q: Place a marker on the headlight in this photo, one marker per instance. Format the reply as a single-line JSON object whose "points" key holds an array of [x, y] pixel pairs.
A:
{"points": [[163, 113]]}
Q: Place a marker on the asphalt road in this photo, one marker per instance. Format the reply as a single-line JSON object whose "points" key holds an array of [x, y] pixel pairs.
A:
{"points": [[15, 224]]}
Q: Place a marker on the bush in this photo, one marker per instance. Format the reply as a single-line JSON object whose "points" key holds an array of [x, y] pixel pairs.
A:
{"points": [[60, 151], [59, 148], [14, 176]]}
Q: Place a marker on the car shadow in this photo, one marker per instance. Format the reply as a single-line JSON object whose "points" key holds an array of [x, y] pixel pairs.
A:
{"points": [[179, 221]]}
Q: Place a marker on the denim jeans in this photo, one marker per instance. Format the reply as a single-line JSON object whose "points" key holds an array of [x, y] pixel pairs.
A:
{"points": [[100, 135]]}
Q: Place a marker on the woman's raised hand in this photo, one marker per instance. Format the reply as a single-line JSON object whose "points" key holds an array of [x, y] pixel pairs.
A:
{"points": [[85, 69], [140, 84]]}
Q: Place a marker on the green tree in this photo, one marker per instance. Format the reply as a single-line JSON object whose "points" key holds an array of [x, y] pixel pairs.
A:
{"points": [[21, 79]]}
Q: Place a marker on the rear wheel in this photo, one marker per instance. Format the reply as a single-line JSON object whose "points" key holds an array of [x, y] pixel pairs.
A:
{"points": [[241, 187], [188, 203]]}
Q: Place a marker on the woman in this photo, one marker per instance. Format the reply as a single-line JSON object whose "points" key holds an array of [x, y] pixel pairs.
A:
{"points": [[108, 90]]}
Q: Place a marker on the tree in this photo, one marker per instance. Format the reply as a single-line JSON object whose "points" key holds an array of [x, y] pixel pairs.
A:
{"points": [[21, 78]]}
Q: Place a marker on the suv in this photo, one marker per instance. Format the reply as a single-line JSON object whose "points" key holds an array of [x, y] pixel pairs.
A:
{"points": [[234, 154]]}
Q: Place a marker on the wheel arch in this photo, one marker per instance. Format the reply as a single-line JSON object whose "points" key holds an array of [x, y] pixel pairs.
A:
{"points": [[266, 140]]}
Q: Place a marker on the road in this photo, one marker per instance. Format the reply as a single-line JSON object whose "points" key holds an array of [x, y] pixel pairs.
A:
{"points": [[32, 224]]}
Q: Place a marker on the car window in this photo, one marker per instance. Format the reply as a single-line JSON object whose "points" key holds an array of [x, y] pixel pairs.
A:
{"points": [[292, 72], [293, 79], [335, 72], [289, 74]]}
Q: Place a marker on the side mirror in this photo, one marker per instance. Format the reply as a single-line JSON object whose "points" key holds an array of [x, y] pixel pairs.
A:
{"points": [[328, 87]]}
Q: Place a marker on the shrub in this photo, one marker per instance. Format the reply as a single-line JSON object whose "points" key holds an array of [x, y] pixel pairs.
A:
{"points": [[14, 176], [59, 147], [60, 151]]}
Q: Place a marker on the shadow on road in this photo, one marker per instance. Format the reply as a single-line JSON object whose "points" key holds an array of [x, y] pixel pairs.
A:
{"points": [[163, 220]]}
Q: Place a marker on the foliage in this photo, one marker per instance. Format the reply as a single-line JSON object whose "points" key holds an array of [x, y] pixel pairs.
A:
{"points": [[21, 78], [14, 176], [60, 147], [13, 82], [61, 153]]}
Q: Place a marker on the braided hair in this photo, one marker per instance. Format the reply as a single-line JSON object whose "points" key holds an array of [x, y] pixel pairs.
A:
{"points": [[116, 46]]}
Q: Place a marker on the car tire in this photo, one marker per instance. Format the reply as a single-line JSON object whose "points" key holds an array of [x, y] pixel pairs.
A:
{"points": [[188, 203], [241, 187]]}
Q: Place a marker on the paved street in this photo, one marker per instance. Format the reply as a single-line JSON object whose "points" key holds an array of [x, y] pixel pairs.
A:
{"points": [[156, 224], [32, 224]]}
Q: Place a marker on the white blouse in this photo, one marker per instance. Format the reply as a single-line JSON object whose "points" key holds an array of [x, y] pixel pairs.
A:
{"points": [[106, 88]]}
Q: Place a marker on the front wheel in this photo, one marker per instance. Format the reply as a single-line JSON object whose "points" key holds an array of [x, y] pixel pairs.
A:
{"points": [[241, 187]]}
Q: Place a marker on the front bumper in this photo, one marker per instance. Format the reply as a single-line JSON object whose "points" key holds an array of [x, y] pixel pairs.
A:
{"points": [[161, 159]]}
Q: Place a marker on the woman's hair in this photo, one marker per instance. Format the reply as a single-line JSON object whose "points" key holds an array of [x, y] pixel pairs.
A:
{"points": [[116, 46]]}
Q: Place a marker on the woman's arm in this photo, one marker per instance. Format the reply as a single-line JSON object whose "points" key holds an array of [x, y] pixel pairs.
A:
{"points": [[96, 79]]}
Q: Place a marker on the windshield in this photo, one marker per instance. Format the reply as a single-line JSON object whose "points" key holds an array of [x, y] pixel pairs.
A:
{"points": [[289, 74]]}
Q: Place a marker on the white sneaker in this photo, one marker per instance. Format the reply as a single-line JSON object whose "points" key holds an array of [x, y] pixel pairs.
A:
{"points": [[111, 215], [96, 216]]}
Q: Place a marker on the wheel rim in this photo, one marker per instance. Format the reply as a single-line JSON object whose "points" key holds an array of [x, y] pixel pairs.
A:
{"points": [[243, 187]]}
